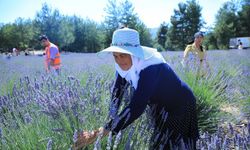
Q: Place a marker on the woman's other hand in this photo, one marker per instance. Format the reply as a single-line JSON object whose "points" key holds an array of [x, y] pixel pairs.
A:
{"points": [[85, 138]]}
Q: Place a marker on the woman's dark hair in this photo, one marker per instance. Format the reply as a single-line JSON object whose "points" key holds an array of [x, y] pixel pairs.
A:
{"points": [[201, 48], [191, 42], [123, 26], [198, 34], [43, 37]]}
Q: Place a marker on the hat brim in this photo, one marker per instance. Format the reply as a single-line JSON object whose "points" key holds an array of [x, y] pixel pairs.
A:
{"points": [[141, 52]]}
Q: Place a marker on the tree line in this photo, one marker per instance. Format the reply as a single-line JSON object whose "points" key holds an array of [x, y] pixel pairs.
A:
{"points": [[76, 34], [232, 20]]}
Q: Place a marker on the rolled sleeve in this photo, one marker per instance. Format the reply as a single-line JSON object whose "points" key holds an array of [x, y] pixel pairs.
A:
{"points": [[53, 52]]}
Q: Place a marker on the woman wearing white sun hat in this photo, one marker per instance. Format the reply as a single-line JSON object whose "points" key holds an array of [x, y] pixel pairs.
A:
{"points": [[155, 85]]}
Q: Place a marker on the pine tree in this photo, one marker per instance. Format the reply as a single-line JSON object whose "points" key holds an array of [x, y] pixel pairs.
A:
{"points": [[226, 24], [111, 22], [124, 15], [243, 26], [184, 23], [128, 17], [162, 34]]}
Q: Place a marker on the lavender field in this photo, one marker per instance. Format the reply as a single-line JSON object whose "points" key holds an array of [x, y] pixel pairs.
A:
{"points": [[45, 111]]}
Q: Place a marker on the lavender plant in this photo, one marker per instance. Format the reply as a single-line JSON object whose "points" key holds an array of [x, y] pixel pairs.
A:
{"points": [[40, 110]]}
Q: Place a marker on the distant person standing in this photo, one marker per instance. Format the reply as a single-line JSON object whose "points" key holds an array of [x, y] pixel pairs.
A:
{"points": [[195, 55], [14, 51], [52, 55], [240, 44]]}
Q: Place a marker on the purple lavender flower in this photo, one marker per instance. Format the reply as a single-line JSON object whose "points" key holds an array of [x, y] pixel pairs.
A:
{"points": [[117, 140], [98, 143], [156, 138], [161, 147], [230, 127], [37, 86], [1, 133], [248, 128], [182, 144], [82, 120], [210, 147], [117, 119], [27, 118], [58, 129], [49, 145], [165, 116], [75, 136], [225, 142], [130, 135], [245, 145], [113, 108], [109, 143], [27, 80]]}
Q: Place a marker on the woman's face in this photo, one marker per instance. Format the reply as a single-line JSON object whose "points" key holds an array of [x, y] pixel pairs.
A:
{"points": [[199, 39], [45, 42], [123, 60]]}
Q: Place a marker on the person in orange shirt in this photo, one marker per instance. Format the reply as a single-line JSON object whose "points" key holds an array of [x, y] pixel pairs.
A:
{"points": [[52, 55]]}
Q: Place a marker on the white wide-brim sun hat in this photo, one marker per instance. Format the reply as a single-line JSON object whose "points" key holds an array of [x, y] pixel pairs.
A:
{"points": [[127, 41]]}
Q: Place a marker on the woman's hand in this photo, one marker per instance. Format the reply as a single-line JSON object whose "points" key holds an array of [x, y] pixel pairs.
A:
{"points": [[85, 138]]}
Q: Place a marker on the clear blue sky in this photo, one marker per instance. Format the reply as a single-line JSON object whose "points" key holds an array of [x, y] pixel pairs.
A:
{"points": [[151, 12]]}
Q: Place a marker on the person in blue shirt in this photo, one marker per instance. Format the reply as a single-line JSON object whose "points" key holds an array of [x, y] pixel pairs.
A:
{"points": [[156, 85]]}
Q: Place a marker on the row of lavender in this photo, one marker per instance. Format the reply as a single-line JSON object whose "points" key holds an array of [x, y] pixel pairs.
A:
{"points": [[44, 111]]}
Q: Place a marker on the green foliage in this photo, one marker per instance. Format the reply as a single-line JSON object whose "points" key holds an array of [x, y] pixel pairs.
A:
{"points": [[7, 34], [246, 107], [18, 34], [128, 17], [212, 90], [185, 22], [145, 37], [159, 47], [210, 41], [55, 26], [8, 86], [225, 28], [243, 19], [231, 21], [162, 34], [87, 36], [210, 93], [69, 33], [111, 22], [75, 34], [124, 15]]}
